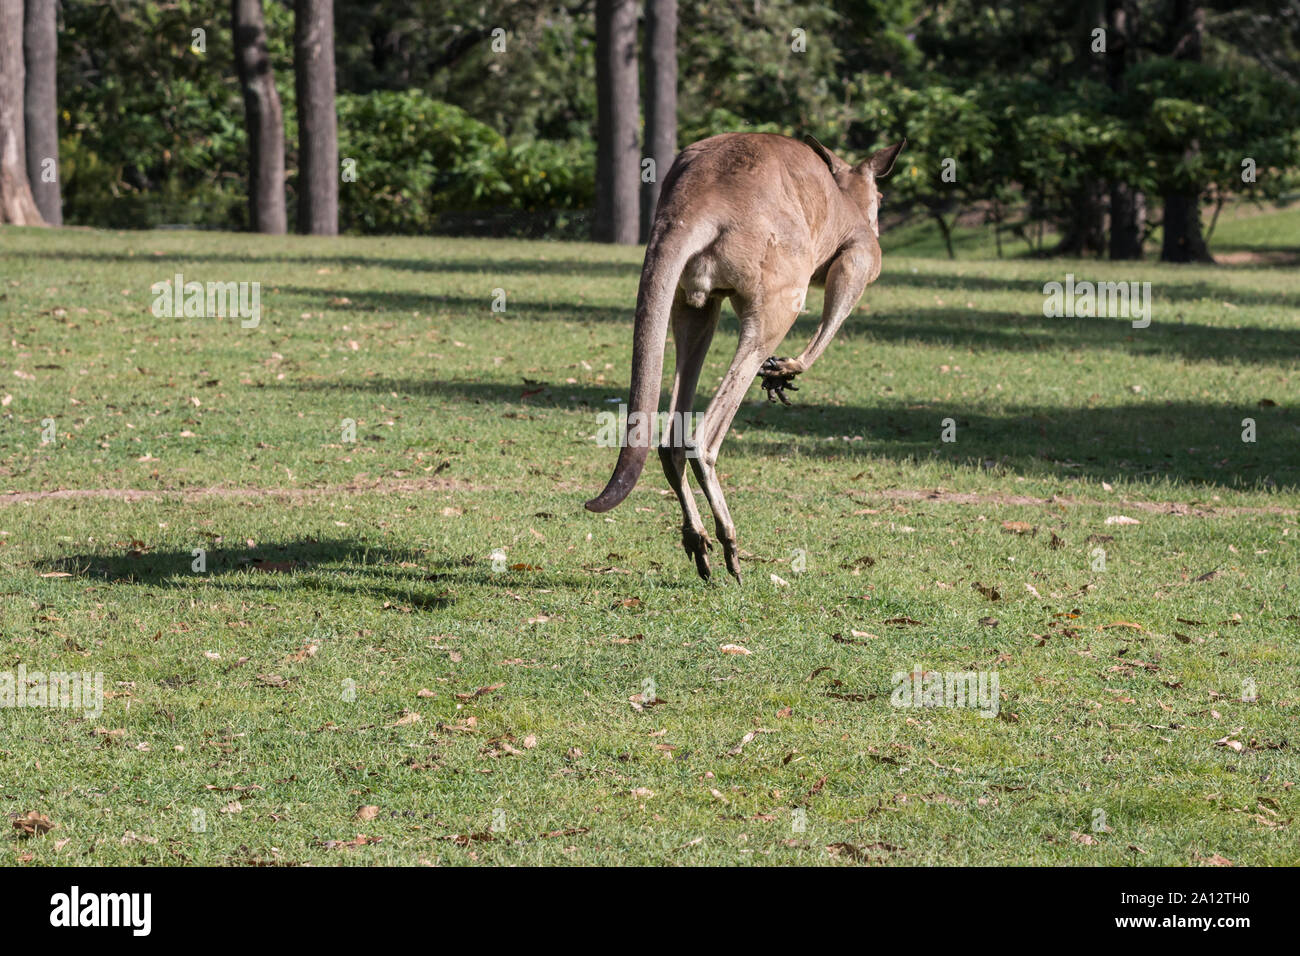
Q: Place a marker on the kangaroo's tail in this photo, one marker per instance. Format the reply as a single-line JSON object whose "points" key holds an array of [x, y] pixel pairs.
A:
{"points": [[665, 259]]}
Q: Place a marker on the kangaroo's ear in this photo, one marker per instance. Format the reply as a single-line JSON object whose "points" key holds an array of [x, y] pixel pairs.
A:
{"points": [[882, 161], [833, 162]]}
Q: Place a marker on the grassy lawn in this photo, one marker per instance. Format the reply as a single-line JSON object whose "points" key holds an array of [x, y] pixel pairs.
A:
{"points": [[354, 644]]}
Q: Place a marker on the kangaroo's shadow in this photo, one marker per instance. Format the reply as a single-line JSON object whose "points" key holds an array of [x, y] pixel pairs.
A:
{"points": [[403, 577], [406, 577]]}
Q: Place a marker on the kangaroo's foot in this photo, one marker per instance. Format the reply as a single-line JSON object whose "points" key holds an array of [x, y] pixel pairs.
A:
{"points": [[778, 376], [731, 553], [697, 546]]}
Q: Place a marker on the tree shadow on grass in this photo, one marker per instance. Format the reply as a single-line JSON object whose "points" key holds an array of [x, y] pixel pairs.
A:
{"points": [[988, 329], [1163, 287], [971, 277], [487, 265], [382, 300], [1199, 444]]}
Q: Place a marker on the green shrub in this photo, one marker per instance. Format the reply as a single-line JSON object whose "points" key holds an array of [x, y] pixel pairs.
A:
{"points": [[421, 162]]}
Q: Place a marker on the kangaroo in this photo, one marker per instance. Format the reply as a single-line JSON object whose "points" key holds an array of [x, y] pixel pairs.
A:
{"points": [[756, 218]]}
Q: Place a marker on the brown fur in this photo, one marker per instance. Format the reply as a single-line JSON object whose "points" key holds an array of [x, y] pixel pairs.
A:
{"points": [[756, 218]]}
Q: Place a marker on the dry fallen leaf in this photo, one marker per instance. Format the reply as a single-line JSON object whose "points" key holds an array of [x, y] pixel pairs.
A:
{"points": [[361, 840], [740, 746], [32, 823], [367, 813], [734, 649], [304, 652]]}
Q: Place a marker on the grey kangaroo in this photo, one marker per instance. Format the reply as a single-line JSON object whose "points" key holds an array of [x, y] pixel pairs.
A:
{"points": [[757, 218]]}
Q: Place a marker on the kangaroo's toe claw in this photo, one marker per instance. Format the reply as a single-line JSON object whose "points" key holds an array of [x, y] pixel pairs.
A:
{"points": [[733, 561], [697, 546]]}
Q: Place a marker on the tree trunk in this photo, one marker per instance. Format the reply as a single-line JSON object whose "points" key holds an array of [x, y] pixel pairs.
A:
{"points": [[1127, 205], [1183, 238], [618, 160], [661, 101], [262, 116], [318, 143], [17, 204], [1184, 241], [41, 107], [1128, 216], [1083, 232]]}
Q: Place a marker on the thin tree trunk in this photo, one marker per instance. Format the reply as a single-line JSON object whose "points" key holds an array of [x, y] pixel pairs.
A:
{"points": [[17, 204], [318, 144], [262, 116], [618, 161], [661, 101], [1127, 204], [1183, 238], [996, 214], [41, 107], [945, 230], [1219, 200]]}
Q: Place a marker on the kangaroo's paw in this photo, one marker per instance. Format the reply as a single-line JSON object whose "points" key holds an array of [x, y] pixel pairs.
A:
{"points": [[784, 367], [778, 376], [697, 546]]}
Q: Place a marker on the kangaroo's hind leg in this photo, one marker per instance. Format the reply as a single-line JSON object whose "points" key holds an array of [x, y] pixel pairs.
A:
{"points": [[693, 329], [762, 327]]}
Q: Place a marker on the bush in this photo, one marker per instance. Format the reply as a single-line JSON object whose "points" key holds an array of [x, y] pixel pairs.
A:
{"points": [[423, 165]]}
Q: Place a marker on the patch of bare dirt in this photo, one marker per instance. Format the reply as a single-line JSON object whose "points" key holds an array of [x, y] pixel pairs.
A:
{"points": [[998, 498], [1265, 257], [222, 491]]}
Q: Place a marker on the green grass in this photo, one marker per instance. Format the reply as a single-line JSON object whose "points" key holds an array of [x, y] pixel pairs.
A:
{"points": [[475, 433]]}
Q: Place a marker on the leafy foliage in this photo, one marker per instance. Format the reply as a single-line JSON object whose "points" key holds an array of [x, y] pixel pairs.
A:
{"points": [[417, 158]]}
